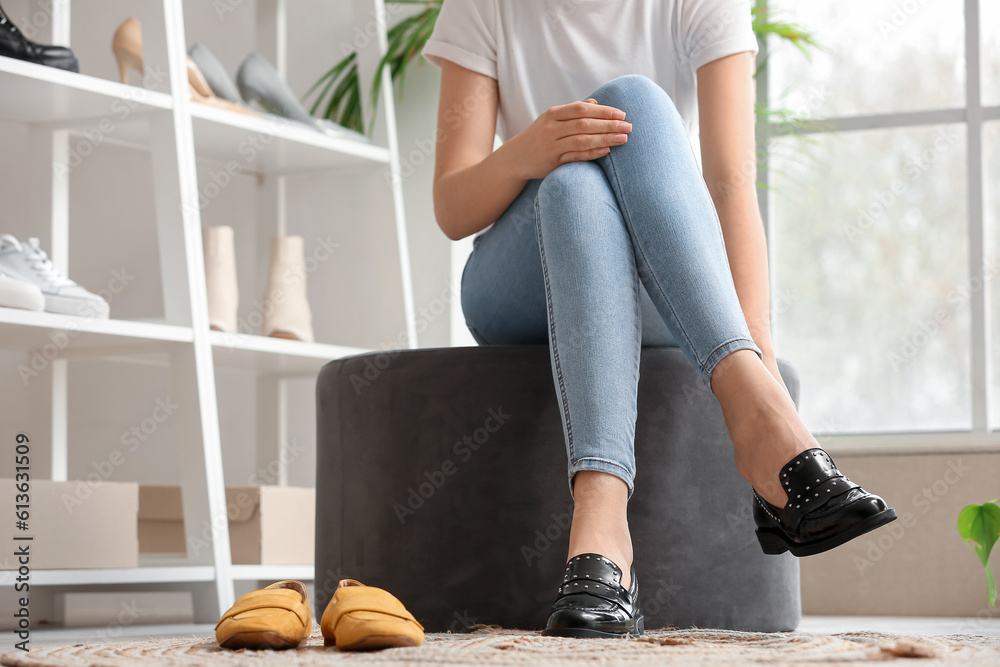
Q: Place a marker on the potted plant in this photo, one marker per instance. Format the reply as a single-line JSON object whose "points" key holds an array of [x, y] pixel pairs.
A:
{"points": [[979, 526]]}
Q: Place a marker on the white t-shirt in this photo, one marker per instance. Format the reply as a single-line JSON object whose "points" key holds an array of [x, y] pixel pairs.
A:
{"points": [[544, 53]]}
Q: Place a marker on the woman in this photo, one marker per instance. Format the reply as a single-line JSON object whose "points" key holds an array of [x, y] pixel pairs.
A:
{"points": [[604, 233]]}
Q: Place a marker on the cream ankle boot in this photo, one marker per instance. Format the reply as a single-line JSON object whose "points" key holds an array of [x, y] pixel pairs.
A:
{"points": [[286, 307], [220, 278]]}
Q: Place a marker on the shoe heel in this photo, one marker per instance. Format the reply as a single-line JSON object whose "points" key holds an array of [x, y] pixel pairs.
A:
{"points": [[770, 543], [127, 47], [126, 63]]}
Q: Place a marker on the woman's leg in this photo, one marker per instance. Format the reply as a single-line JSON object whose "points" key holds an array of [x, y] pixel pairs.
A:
{"points": [[593, 295], [503, 292], [593, 327], [681, 258]]}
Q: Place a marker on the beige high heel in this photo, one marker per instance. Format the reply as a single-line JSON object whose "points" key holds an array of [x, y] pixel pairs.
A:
{"points": [[285, 305], [127, 47]]}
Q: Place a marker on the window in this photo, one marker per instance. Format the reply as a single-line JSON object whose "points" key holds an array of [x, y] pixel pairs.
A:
{"points": [[991, 154], [872, 213], [990, 20], [879, 56]]}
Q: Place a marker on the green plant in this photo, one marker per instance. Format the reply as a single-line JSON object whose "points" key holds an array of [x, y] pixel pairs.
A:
{"points": [[979, 526], [338, 91], [766, 22]]}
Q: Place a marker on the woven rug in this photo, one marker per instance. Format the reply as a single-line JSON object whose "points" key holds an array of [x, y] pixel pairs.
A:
{"points": [[512, 647]]}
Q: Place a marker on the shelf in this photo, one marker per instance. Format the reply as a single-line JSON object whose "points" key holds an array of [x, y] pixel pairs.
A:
{"points": [[273, 145], [268, 144], [189, 145], [280, 356], [119, 575], [273, 572], [24, 329], [38, 94]]}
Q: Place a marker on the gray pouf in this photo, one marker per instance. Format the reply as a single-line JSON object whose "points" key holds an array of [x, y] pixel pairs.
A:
{"points": [[441, 477]]}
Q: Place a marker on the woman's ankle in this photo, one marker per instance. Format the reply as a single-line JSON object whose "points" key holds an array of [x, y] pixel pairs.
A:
{"points": [[763, 424], [615, 547], [762, 445], [600, 520]]}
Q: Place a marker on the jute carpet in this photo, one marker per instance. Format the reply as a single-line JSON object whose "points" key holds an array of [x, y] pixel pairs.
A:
{"points": [[511, 647]]}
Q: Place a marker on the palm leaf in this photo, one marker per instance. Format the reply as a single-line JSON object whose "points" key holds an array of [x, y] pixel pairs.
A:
{"points": [[338, 92]]}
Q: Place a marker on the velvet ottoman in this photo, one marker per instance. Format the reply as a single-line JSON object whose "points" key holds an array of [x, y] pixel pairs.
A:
{"points": [[441, 477]]}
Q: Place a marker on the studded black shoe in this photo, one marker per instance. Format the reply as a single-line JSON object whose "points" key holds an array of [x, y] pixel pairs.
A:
{"points": [[593, 603], [824, 510], [14, 44]]}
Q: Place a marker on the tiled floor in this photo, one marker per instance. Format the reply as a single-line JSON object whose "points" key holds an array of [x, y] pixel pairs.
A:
{"points": [[810, 624]]}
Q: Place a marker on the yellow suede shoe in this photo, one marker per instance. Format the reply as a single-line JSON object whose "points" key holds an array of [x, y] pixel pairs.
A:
{"points": [[362, 618], [275, 617]]}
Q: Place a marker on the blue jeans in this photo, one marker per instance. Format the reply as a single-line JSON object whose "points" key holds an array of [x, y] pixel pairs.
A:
{"points": [[602, 257]]}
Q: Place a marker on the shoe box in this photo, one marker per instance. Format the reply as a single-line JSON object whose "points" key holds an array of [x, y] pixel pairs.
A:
{"points": [[72, 525], [268, 525]]}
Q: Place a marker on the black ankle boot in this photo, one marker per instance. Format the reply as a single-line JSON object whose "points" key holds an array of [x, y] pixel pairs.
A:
{"points": [[593, 603], [824, 508], [14, 44]]}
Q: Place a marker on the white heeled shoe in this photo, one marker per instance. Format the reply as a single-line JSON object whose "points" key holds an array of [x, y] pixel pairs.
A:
{"points": [[220, 278], [286, 305]]}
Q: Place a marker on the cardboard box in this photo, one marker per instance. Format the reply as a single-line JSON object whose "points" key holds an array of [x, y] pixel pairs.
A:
{"points": [[75, 525], [268, 525], [161, 519]]}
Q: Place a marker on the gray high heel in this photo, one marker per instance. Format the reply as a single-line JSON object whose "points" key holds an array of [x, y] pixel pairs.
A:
{"points": [[260, 83], [215, 74]]}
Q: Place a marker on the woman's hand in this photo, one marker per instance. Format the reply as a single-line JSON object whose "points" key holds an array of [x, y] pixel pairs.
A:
{"points": [[473, 184], [574, 132]]}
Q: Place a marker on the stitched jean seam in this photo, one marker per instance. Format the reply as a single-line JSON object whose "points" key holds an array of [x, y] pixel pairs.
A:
{"points": [[637, 332], [552, 333], [628, 221], [605, 466], [600, 460], [704, 367]]}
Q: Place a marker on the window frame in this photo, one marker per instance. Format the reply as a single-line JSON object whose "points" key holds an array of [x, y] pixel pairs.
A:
{"points": [[983, 435]]}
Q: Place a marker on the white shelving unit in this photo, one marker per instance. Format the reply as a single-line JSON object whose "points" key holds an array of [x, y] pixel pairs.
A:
{"points": [[179, 134]]}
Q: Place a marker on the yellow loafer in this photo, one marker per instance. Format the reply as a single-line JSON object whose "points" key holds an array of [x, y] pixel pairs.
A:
{"points": [[361, 618], [276, 617]]}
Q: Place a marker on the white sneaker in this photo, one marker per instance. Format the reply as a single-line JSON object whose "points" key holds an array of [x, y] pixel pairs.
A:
{"points": [[29, 263], [16, 293]]}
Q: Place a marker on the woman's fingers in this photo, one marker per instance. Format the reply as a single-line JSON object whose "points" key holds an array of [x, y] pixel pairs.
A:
{"points": [[584, 156], [585, 142], [587, 110], [594, 126], [585, 130]]}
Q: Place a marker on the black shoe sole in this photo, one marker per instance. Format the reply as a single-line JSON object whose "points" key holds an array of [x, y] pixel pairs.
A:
{"points": [[773, 541], [587, 633]]}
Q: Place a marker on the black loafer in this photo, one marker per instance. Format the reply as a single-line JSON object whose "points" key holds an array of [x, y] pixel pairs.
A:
{"points": [[14, 44], [824, 510], [593, 603]]}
